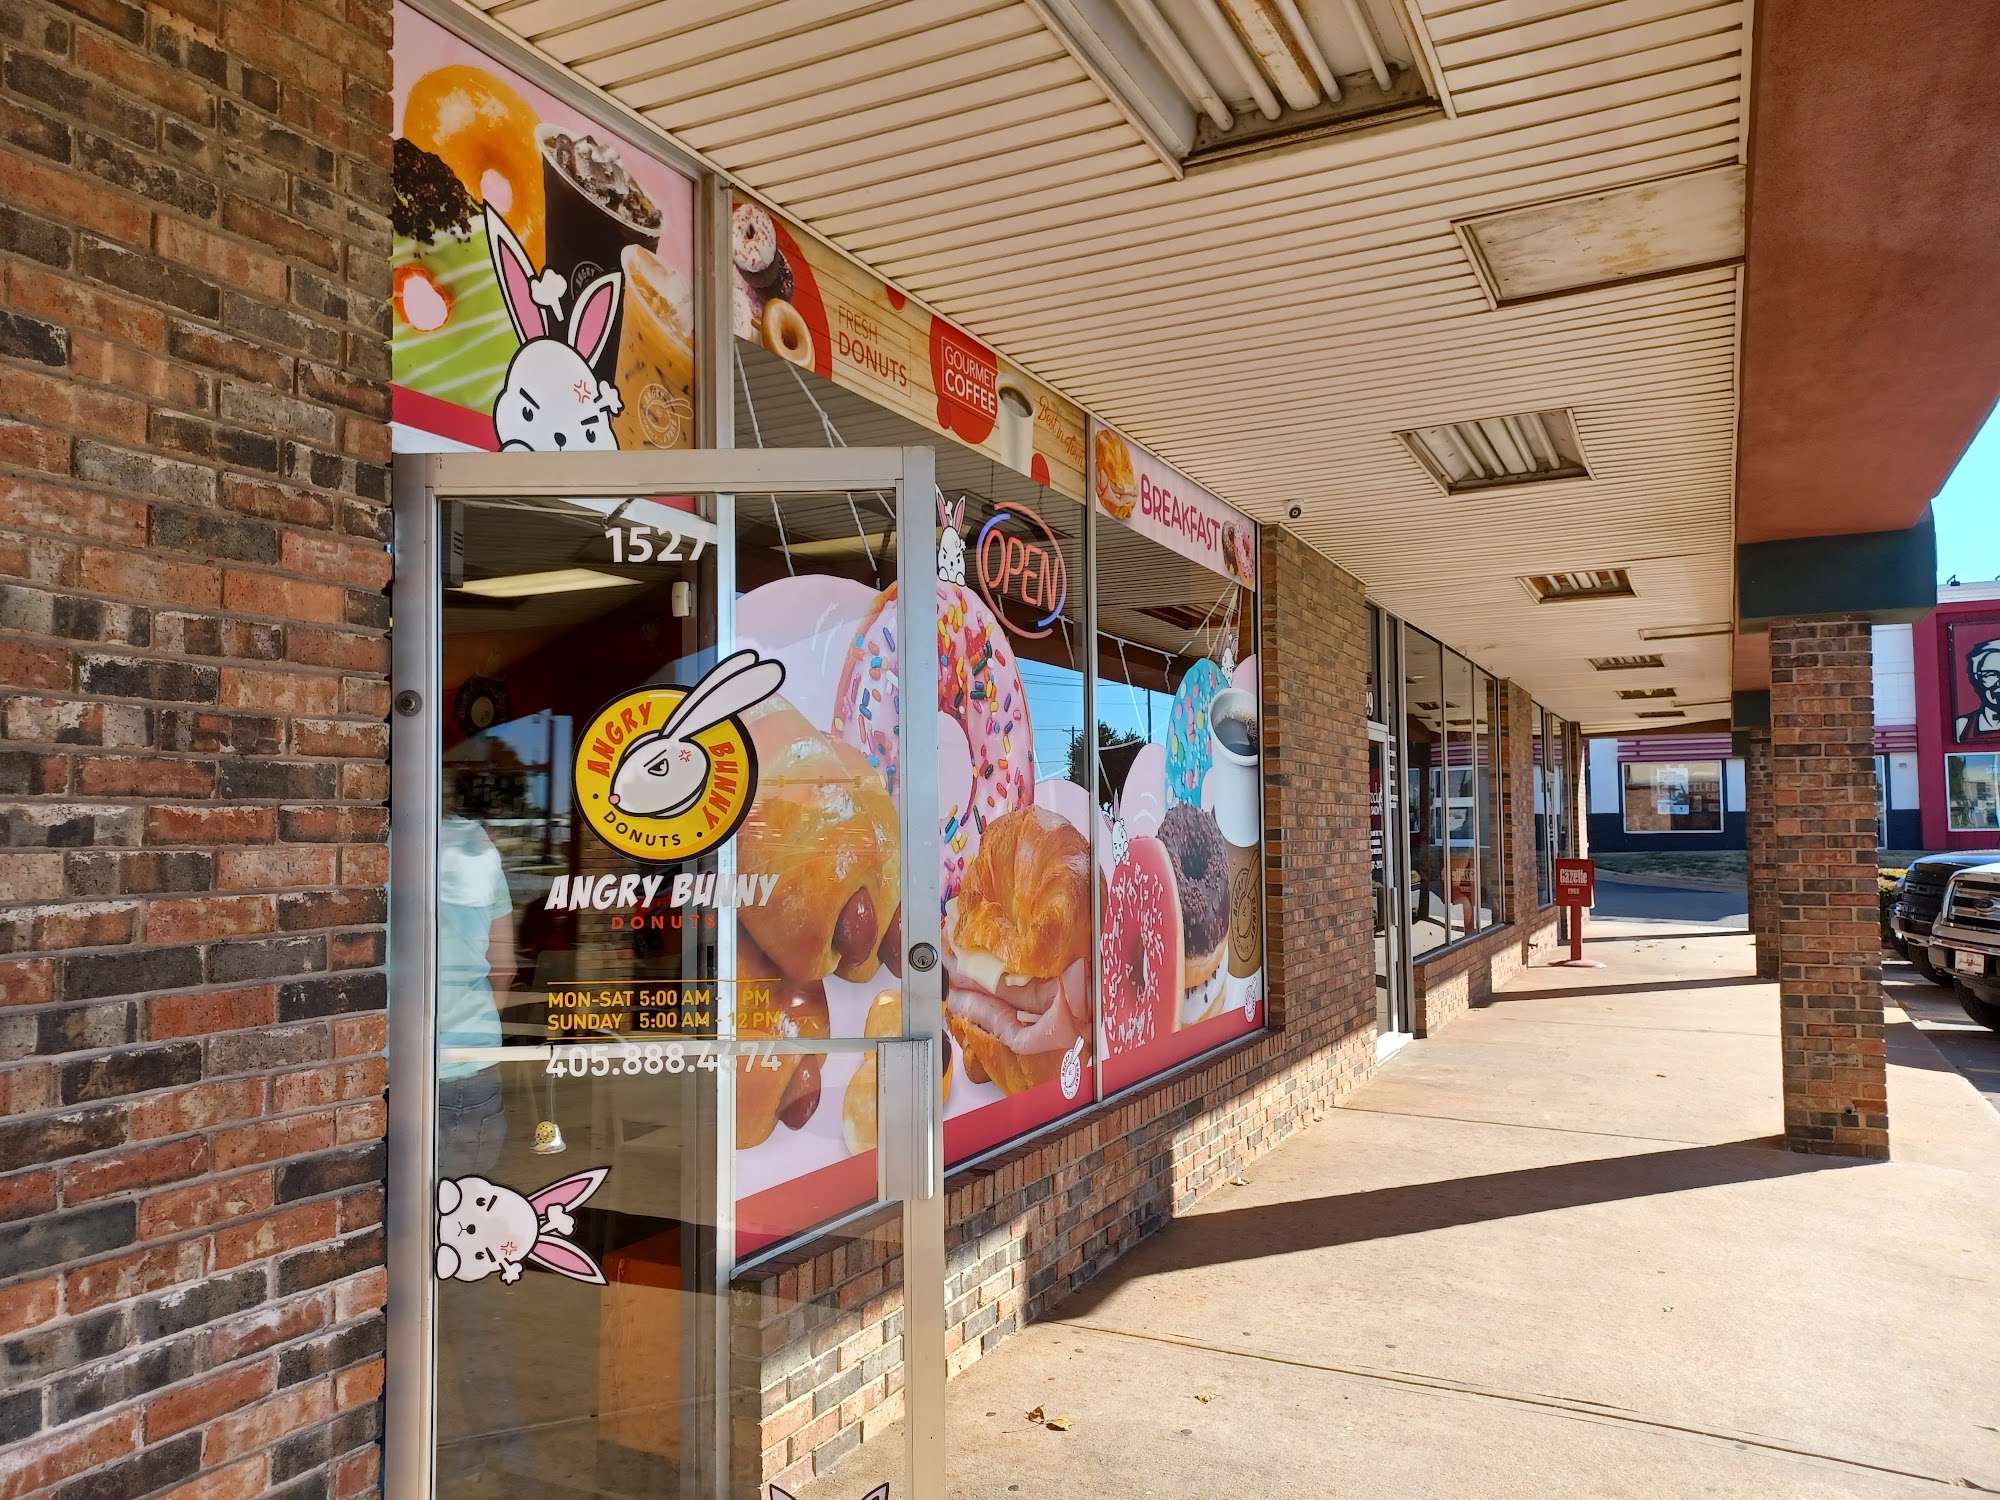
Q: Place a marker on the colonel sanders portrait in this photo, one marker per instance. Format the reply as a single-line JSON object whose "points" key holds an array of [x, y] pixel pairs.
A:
{"points": [[1982, 665]]}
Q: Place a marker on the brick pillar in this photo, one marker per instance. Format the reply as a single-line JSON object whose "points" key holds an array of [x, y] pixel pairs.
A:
{"points": [[1314, 658], [1517, 808], [1760, 838], [194, 354], [1823, 845]]}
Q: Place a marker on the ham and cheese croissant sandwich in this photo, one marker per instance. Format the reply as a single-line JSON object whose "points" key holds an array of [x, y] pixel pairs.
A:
{"points": [[1016, 940], [825, 826]]}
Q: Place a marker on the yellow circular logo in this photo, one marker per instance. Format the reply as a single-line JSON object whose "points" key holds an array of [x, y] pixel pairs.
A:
{"points": [[668, 773]]}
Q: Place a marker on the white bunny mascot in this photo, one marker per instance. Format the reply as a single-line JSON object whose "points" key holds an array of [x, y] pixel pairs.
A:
{"points": [[663, 774], [951, 542], [552, 400], [484, 1227]]}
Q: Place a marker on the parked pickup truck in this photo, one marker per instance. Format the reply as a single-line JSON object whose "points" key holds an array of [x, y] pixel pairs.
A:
{"points": [[1917, 902], [1965, 941]]}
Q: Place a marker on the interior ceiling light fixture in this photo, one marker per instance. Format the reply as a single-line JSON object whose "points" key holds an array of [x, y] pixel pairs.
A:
{"points": [[1487, 453], [1661, 713], [1592, 583], [1685, 632], [556, 581], [1688, 222], [1207, 80], [1630, 694], [1626, 663]]}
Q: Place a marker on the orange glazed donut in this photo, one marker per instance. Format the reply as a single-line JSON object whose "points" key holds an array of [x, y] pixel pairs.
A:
{"points": [[476, 125], [786, 334]]}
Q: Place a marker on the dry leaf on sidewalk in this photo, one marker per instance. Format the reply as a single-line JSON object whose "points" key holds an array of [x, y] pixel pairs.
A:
{"points": [[1057, 1424], [1204, 1397], [1035, 1415]]}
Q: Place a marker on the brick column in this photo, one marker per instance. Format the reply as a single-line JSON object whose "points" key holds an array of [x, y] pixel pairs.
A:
{"points": [[1823, 846], [1760, 838], [1517, 809], [194, 352]]}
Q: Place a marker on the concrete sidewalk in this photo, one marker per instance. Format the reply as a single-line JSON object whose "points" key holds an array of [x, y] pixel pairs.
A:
{"points": [[1551, 1252]]}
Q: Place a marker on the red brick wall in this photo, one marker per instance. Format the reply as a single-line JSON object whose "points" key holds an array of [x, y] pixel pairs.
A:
{"points": [[819, 1337], [1823, 855], [193, 350]]}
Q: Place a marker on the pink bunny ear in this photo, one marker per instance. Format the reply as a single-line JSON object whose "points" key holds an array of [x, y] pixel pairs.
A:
{"points": [[517, 278], [554, 1253], [569, 1192], [596, 310]]}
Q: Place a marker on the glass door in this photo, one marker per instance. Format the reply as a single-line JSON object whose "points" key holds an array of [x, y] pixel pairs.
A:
{"points": [[1385, 854], [664, 964]]}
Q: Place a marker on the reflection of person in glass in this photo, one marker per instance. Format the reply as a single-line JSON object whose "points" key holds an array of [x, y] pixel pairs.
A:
{"points": [[1982, 665], [476, 960]]}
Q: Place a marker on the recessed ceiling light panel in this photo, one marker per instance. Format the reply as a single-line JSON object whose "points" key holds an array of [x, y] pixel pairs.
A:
{"points": [[1626, 663], [1591, 583], [1486, 453]]}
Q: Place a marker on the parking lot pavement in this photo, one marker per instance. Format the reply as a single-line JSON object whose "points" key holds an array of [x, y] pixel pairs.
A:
{"points": [[1935, 1011]]}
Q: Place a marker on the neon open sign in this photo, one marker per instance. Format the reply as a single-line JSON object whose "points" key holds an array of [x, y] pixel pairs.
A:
{"points": [[1021, 563]]}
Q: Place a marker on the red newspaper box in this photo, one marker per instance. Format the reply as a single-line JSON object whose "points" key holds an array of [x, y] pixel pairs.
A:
{"points": [[1576, 882], [1576, 891]]}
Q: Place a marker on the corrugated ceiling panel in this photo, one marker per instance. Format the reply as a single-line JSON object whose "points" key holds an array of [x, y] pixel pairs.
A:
{"points": [[1271, 322]]}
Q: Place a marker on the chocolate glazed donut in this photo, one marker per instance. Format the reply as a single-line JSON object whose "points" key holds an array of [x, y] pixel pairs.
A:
{"points": [[1201, 872]]}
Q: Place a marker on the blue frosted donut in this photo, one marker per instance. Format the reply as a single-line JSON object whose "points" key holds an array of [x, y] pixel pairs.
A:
{"points": [[1188, 747]]}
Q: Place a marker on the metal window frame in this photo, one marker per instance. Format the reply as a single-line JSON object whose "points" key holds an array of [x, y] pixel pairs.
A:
{"points": [[419, 481]]}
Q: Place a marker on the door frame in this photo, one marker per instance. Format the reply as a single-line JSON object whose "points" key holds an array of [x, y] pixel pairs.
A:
{"points": [[913, 1087]]}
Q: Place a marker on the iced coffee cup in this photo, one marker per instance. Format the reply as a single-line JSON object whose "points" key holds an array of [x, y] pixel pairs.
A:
{"points": [[594, 211], [655, 368], [1235, 779]]}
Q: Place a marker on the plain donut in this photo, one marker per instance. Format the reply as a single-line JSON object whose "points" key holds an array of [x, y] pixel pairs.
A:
{"points": [[786, 334]]}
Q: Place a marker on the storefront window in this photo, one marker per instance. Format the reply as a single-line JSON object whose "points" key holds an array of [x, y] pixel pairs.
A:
{"points": [[1459, 828], [1972, 792], [1179, 764], [1544, 839], [1009, 724], [1674, 797], [1492, 763], [1424, 804]]}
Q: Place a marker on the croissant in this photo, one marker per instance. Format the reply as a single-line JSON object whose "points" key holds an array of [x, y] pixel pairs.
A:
{"points": [[1017, 944], [824, 824], [768, 1005]]}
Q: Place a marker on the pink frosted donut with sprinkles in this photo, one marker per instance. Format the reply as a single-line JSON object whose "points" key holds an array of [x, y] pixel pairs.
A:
{"points": [[979, 685]]}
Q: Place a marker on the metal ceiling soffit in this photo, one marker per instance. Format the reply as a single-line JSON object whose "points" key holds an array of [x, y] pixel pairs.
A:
{"points": [[1209, 79]]}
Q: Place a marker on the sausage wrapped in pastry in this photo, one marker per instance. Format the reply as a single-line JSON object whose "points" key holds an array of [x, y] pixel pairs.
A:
{"points": [[825, 826], [1016, 940], [771, 1006]]}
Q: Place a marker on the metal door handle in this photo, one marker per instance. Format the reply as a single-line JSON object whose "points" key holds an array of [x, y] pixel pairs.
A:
{"points": [[906, 1078]]}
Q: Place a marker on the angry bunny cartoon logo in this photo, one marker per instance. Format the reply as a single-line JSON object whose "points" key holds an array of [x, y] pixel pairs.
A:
{"points": [[484, 1227], [667, 773], [552, 400]]}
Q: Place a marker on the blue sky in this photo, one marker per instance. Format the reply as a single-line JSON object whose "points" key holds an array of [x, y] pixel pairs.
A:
{"points": [[1968, 511]]}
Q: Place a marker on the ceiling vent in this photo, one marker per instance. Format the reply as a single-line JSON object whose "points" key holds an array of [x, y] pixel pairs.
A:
{"points": [[1626, 663], [1487, 453], [1207, 80], [1594, 583], [1661, 713], [1689, 222], [1632, 694]]}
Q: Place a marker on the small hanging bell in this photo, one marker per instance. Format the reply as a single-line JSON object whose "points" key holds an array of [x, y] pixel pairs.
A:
{"points": [[548, 1139]]}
